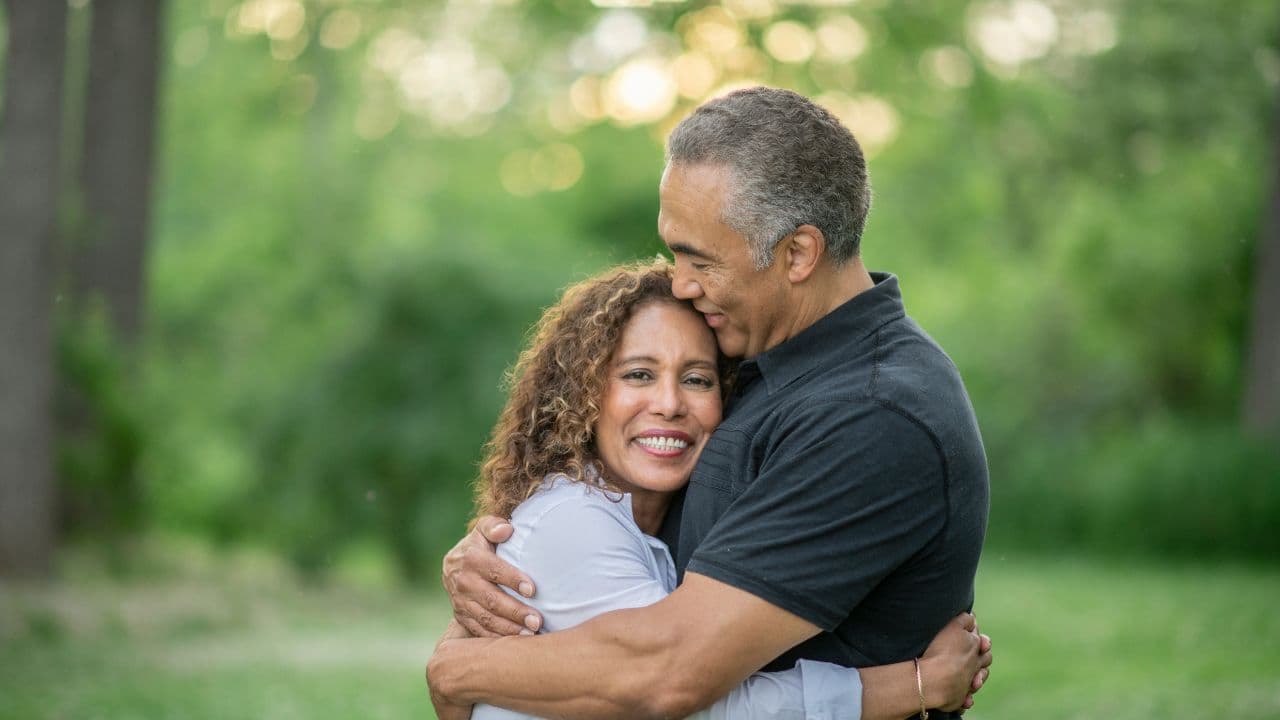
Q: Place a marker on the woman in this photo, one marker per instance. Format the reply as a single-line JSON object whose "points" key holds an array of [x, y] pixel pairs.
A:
{"points": [[610, 407]]}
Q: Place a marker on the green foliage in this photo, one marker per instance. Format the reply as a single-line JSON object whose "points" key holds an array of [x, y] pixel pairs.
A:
{"points": [[1165, 489], [331, 308], [382, 436], [103, 432]]}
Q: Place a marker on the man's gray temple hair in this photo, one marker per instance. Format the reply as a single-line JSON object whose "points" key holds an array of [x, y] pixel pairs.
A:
{"points": [[791, 162]]}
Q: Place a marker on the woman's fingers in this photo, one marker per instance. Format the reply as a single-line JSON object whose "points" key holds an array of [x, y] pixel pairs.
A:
{"points": [[980, 679]]}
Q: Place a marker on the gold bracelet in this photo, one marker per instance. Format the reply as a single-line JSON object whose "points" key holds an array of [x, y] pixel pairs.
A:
{"points": [[924, 714]]}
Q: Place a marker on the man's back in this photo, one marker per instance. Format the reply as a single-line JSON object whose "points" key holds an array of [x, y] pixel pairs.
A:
{"points": [[848, 485]]}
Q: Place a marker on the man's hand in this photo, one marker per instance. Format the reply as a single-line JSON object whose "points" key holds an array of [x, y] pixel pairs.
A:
{"points": [[956, 664], [446, 710], [472, 574]]}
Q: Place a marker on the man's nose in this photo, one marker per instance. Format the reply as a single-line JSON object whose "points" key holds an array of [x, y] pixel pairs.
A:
{"points": [[684, 287]]}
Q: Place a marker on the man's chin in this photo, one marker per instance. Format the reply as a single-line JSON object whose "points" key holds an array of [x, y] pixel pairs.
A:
{"points": [[731, 345]]}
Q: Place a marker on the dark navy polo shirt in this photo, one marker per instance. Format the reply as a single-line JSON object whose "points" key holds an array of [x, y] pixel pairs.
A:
{"points": [[847, 485]]}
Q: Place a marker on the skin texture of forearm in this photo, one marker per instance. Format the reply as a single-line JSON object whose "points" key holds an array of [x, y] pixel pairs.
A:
{"points": [[669, 659], [889, 692], [577, 673]]}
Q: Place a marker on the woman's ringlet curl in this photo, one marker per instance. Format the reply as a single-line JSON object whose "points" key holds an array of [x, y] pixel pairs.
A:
{"points": [[556, 385]]}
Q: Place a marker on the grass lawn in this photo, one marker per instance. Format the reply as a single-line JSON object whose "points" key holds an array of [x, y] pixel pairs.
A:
{"points": [[1075, 639]]}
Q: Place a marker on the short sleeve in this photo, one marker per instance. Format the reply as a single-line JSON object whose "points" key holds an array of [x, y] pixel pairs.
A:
{"points": [[585, 562], [846, 492]]}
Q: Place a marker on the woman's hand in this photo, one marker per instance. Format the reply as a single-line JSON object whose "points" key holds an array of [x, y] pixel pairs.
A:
{"points": [[956, 664], [472, 574], [446, 710]]}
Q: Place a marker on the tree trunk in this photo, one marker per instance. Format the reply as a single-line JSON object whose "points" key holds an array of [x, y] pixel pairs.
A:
{"points": [[1262, 381], [108, 263], [106, 267], [30, 134]]}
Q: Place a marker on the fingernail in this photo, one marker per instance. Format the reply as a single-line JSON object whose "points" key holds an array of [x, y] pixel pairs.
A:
{"points": [[501, 527], [533, 622], [526, 632], [526, 588]]}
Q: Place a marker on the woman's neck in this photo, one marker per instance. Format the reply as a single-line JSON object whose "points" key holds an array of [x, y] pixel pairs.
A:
{"points": [[649, 508]]}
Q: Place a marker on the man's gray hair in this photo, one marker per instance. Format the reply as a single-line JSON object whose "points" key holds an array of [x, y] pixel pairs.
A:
{"points": [[791, 163]]}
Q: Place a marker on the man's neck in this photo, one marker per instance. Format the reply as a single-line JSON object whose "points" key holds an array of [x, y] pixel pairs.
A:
{"points": [[827, 289]]}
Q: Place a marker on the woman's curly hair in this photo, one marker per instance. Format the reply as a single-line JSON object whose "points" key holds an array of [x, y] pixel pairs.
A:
{"points": [[556, 386]]}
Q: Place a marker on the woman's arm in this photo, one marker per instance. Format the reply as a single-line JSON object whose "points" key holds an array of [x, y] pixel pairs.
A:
{"points": [[957, 657]]}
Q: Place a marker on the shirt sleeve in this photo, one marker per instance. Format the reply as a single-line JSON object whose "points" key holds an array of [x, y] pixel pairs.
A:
{"points": [[846, 492], [585, 562], [810, 691]]}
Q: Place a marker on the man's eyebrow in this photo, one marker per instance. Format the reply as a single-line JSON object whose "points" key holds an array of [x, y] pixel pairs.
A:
{"points": [[682, 249]]}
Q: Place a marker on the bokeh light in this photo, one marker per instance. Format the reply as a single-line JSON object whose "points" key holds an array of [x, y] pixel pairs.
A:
{"points": [[340, 29], [949, 66], [712, 30], [640, 91], [789, 41], [1010, 34], [872, 119], [695, 74], [841, 39]]}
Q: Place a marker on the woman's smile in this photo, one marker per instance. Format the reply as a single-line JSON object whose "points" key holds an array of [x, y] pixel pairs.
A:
{"points": [[661, 402]]}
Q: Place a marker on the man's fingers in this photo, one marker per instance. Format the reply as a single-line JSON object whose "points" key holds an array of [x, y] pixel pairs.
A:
{"points": [[985, 645], [968, 702], [481, 560], [473, 627], [967, 621], [494, 529], [494, 624]]}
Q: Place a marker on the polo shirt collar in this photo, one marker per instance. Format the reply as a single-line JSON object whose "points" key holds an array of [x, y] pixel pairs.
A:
{"points": [[829, 338]]}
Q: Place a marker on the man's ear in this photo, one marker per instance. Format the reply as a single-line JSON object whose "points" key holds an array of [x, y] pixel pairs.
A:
{"points": [[804, 249]]}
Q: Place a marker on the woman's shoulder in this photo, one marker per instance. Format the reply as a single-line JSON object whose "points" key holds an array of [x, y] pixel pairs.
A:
{"points": [[559, 496]]}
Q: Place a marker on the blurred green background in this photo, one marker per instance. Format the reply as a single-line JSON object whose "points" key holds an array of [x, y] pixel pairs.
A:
{"points": [[268, 398]]}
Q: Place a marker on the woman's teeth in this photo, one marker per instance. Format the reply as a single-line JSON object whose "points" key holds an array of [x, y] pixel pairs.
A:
{"points": [[663, 443]]}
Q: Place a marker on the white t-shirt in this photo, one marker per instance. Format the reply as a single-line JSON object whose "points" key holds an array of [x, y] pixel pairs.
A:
{"points": [[582, 546]]}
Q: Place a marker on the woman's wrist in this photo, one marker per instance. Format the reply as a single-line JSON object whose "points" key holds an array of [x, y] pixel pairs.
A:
{"points": [[934, 685]]}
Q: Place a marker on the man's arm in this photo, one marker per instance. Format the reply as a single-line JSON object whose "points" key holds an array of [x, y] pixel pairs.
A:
{"points": [[665, 660], [669, 659]]}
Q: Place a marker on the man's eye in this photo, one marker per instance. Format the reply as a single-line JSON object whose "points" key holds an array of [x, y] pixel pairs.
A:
{"points": [[700, 381], [700, 267]]}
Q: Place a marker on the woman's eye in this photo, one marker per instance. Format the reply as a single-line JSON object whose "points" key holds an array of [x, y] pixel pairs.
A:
{"points": [[636, 375], [700, 381]]}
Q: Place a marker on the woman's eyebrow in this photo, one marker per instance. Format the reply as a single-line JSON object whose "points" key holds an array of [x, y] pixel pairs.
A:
{"points": [[637, 358]]}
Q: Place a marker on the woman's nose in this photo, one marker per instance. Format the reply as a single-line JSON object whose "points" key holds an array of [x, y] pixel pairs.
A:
{"points": [[668, 400]]}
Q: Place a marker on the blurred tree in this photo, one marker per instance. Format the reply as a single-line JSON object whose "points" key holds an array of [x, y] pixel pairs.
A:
{"points": [[108, 260], [30, 132], [1262, 382], [105, 269]]}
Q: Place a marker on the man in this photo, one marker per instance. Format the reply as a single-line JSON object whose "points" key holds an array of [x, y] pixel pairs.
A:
{"points": [[838, 512]]}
